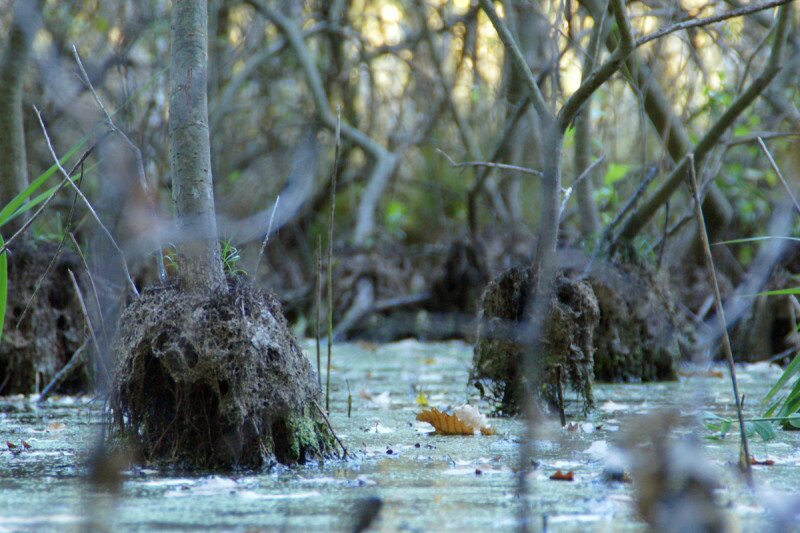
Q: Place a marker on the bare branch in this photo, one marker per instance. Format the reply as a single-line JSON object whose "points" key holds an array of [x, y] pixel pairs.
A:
{"points": [[162, 273], [502, 166], [646, 211], [696, 23], [517, 59], [602, 73], [87, 204], [779, 173]]}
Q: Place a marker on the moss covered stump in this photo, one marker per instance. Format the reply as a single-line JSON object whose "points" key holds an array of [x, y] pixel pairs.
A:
{"points": [[568, 341], [215, 382], [642, 333]]}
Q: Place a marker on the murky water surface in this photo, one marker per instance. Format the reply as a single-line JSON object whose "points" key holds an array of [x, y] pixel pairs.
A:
{"points": [[426, 482]]}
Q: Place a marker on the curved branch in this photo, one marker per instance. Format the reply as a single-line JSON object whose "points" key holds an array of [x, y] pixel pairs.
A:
{"points": [[384, 161]]}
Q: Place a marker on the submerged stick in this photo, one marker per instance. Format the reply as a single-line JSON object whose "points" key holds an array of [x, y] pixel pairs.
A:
{"points": [[328, 422], [726, 341], [330, 263], [560, 393], [74, 362], [349, 399]]}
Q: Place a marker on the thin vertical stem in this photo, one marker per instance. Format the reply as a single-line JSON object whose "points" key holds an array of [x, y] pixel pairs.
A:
{"points": [[319, 305], [330, 260], [726, 342]]}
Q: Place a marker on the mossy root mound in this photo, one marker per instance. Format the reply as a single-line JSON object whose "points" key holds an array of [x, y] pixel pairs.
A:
{"points": [[52, 327], [215, 382], [641, 334], [568, 342]]}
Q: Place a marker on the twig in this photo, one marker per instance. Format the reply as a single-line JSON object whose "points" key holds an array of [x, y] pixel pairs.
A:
{"points": [[685, 25], [330, 426], [162, 272], [588, 170], [54, 258], [319, 305], [726, 342], [488, 164], [603, 72], [86, 317], [74, 362], [567, 193], [330, 261], [767, 135], [517, 59], [86, 202], [91, 282], [266, 237], [779, 173]]}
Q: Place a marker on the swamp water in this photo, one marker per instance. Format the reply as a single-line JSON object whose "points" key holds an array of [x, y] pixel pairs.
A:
{"points": [[426, 482]]}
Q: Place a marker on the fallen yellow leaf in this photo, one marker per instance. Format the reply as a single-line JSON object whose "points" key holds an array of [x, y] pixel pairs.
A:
{"points": [[469, 422], [422, 400]]}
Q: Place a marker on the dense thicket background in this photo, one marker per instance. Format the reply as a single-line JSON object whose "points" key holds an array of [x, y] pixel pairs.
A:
{"points": [[418, 85]]}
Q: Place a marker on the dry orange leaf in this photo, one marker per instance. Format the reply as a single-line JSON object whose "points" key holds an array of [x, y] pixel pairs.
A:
{"points": [[756, 462], [560, 476], [56, 426], [465, 421]]}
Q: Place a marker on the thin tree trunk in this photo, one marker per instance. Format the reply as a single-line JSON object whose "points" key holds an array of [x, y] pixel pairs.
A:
{"points": [[13, 159], [589, 215], [200, 266]]}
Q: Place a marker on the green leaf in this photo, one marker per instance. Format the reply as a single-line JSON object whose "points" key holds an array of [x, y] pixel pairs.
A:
{"points": [[790, 370], [14, 205], [716, 423], [39, 198], [779, 292], [615, 173], [765, 430]]}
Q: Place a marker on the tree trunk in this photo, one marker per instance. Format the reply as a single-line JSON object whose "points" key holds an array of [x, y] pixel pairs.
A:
{"points": [[200, 266], [13, 160]]}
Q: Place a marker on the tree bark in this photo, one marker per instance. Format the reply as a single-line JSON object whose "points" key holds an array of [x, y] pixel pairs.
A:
{"points": [[13, 159], [200, 265]]}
